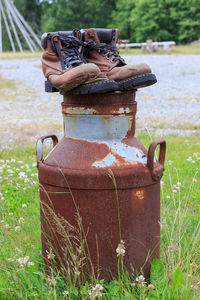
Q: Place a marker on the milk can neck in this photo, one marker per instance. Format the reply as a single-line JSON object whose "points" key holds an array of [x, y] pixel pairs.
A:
{"points": [[99, 117]]}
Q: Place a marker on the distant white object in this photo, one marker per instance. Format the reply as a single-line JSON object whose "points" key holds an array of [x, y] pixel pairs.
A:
{"points": [[148, 46], [195, 42], [15, 23]]}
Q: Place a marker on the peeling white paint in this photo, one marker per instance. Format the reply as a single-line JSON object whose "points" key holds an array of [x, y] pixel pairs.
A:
{"points": [[97, 127], [130, 155], [107, 161]]}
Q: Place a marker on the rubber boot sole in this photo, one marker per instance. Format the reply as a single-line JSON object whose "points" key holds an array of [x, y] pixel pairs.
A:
{"points": [[101, 86], [136, 82]]}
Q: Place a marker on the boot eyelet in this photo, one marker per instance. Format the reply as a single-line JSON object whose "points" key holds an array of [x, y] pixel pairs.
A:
{"points": [[112, 60], [107, 57]]}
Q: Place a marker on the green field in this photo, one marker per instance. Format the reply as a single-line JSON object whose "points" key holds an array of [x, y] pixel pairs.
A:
{"points": [[176, 276]]}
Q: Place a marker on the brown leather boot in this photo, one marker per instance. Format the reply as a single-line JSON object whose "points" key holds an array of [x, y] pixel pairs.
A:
{"points": [[66, 69], [100, 49]]}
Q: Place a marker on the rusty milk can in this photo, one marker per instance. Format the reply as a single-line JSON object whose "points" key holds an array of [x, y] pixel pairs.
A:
{"points": [[101, 175]]}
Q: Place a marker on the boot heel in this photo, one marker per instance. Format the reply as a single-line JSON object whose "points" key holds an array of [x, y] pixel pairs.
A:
{"points": [[49, 88]]}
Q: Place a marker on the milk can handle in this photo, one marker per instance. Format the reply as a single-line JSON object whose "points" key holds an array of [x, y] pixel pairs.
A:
{"points": [[39, 146], [157, 170]]}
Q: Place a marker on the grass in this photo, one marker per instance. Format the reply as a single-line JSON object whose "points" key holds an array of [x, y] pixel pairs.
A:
{"points": [[175, 276], [177, 49], [11, 90], [20, 55]]}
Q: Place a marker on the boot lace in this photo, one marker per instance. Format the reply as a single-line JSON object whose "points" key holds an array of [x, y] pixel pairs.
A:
{"points": [[71, 45], [110, 52]]}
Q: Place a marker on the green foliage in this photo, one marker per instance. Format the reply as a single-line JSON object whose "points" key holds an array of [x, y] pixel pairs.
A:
{"points": [[121, 18], [189, 29], [31, 11], [157, 275], [71, 14], [172, 289]]}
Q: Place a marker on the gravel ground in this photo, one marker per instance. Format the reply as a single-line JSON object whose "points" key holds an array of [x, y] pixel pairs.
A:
{"points": [[170, 106]]}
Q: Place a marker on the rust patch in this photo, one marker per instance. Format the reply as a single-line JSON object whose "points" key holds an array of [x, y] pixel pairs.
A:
{"points": [[67, 155], [99, 110]]}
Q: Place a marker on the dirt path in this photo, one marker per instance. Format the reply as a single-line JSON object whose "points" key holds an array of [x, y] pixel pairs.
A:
{"points": [[170, 106]]}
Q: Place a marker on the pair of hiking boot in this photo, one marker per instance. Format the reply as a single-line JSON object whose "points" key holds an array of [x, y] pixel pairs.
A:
{"points": [[87, 61]]}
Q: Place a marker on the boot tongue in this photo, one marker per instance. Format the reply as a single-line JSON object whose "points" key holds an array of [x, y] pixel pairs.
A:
{"points": [[90, 34]]}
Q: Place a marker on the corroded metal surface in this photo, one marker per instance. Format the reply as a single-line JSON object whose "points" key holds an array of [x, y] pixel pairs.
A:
{"points": [[97, 166]]}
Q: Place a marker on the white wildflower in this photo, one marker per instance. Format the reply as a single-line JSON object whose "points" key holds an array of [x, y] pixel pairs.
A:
{"points": [[179, 183], [26, 180], [161, 182], [23, 261], [10, 214], [50, 254], [20, 162], [65, 293], [194, 180], [13, 160], [10, 259], [140, 281], [168, 197], [189, 159], [30, 264], [22, 174], [96, 291], [170, 162], [21, 220], [17, 228], [121, 249], [18, 250], [7, 226], [24, 205]]}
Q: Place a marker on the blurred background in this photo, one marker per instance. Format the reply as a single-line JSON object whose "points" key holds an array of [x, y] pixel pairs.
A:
{"points": [[138, 20]]}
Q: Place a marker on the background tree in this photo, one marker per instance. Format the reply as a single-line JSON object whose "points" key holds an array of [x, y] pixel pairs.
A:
{"points": [[151, 20], [31, 11], [70, 14], [121, 18], [189, 21]]}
